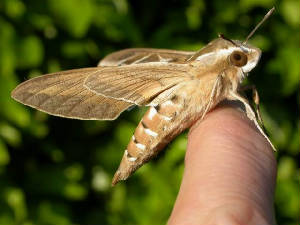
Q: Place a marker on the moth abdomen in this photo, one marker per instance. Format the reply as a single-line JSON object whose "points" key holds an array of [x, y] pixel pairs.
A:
{"points": [[151, 135]]}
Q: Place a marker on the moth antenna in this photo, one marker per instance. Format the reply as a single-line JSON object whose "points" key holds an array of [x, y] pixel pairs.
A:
{"points": [[227, 39], [259, 24]]}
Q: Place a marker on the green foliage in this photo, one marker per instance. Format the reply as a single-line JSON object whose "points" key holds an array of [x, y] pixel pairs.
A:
{"points": [[58, 171]]}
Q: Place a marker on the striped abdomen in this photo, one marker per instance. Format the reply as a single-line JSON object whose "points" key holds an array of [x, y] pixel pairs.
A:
{"points": [[158, 127]]}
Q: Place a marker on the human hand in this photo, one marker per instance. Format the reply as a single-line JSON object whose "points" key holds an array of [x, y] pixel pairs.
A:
{"points": [[230, 173]]}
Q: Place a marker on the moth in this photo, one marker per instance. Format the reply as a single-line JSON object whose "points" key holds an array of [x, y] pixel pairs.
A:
{"points": [[179, 87]]}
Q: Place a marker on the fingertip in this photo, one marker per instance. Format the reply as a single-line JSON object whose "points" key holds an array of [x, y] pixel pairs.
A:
{"points": [[227, 158], [227, 122]]}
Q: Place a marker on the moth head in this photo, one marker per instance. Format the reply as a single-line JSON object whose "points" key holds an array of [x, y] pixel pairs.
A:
{"points": [[223, 52], [243, 56]]}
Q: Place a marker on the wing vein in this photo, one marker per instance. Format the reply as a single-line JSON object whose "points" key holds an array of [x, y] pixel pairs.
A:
{"points": [[43, 89], [81, 101], [60, 92]]}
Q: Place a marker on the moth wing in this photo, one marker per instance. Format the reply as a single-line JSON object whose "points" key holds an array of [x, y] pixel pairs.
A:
{"points": [[137, 83], [145, 55], [63, 94]]}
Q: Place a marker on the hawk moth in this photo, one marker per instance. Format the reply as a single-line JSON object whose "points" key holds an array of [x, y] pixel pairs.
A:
{"points": [[179, 87]]}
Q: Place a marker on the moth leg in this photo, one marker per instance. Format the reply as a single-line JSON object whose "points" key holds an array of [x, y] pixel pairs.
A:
{"points": [[250, 114], [209, 104], [255, 98], [212, 94]]}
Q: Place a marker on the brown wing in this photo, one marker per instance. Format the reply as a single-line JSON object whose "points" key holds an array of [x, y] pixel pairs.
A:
{"points": [[63, 94], [145, 55], [138, 83]]}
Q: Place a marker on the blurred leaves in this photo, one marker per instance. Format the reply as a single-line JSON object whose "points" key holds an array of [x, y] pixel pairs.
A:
{"points": [[73, 15], [14, 8], [30, 52], [193, 14], [53, 214], [58, 171], [15, 199], [4, 155], [291, 12], [287, 192]]}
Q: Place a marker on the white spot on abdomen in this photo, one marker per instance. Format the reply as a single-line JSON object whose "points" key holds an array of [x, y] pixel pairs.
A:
{"points": [[140, 146], [150, 132], [131, 159], [152, 113]]}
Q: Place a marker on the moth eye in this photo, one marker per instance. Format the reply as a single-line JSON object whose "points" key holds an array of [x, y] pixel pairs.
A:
{"points": [[238, 58]]}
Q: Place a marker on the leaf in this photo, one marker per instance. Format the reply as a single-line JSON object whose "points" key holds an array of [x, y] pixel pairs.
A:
{"points": [[290, 11], [4, 155], [30, 52], [73, 15]]}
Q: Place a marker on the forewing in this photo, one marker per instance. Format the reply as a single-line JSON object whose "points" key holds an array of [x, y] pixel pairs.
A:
{"points": [[145, 55], [63, 94], [138, 83]]}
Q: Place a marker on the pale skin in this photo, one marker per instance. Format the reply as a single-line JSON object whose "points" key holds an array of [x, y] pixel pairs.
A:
{"points": [[230, 173]]}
